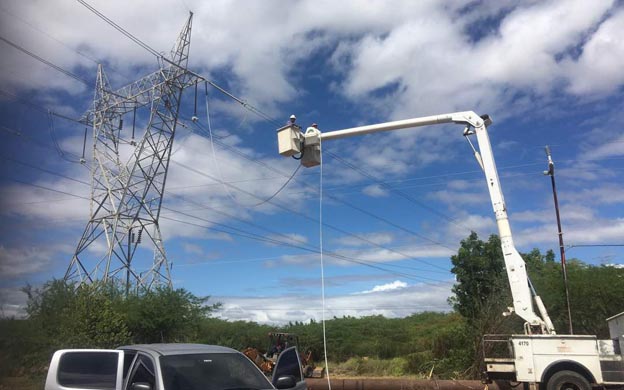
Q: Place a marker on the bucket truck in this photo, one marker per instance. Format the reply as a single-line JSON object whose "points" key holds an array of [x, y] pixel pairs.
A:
{"points": [[538, 356]]}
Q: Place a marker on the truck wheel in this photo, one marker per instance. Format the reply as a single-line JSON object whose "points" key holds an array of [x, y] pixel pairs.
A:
{"points": [[567, 380]]}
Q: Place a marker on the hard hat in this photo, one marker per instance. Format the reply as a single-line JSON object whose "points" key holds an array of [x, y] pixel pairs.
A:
{"points": [[314, 125], [293, 116]]}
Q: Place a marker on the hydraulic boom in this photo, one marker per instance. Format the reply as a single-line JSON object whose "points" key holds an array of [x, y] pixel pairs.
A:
{"points": [[292, 141]]}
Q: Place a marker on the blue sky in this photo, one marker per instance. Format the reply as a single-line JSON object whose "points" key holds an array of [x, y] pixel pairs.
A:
{"points": [[394, 206]]}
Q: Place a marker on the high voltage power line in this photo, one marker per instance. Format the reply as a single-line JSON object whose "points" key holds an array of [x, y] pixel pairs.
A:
{"points": [[158, 55], [46, 62], [246, 234]]}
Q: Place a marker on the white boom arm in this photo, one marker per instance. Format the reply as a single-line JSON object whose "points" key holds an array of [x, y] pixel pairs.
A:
{"points": [[291, 141]]}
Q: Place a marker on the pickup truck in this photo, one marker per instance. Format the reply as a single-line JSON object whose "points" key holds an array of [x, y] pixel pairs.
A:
{"points": [[168, 367]]}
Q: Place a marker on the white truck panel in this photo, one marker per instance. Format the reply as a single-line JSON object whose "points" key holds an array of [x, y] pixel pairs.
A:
{"points": [[534, 354], [616, 330]]}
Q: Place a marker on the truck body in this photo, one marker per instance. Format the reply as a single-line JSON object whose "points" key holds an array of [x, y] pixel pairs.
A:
{"points": [[168, 367], [539, 356]]}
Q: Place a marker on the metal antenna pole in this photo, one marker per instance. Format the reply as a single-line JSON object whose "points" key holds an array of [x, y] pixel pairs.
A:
{"points": [[551, 172], [127, 198]]}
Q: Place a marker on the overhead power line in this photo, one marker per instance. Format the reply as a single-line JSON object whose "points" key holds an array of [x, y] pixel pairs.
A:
{"points": [[398, 192], [48, 63], [120, 29], [296, 212], [158, 55], [240, 232], [36, 106], [309, 188], [235, 231], [80, 53]]}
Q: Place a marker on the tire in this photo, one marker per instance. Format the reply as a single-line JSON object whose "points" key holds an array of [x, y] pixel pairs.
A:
{"points": [[567, 380]]}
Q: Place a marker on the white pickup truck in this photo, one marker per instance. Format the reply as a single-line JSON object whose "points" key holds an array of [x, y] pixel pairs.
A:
{"points": [[168, 367]]}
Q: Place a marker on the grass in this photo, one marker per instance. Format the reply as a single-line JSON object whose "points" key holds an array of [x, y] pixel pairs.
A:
{"points": [[371, 367], [20, 383]]}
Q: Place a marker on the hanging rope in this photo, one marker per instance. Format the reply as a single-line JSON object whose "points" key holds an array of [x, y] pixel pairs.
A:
{"points": [[217, 166], [322, 268]]}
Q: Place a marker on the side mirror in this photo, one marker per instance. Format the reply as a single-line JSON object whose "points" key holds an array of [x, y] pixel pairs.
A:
{"points": [[285, 382], [141, 386]]}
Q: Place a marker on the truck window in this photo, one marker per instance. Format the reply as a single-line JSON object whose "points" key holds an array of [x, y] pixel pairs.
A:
{"points": [[211, 371], [88, 370], [142, 372], [288, 363], [128, 360]]}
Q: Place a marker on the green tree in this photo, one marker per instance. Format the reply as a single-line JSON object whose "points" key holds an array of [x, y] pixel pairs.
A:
{"points": [[73, 316], [165, 315], [479, 273], [595, 294], [481, 294]]}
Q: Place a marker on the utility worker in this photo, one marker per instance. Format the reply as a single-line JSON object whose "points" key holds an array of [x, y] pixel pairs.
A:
{"points": [[291, 120]]}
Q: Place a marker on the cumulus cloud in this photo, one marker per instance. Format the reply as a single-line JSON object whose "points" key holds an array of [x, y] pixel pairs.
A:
{"points": [[411, 59], [397, 284], [375, 191], [391, 303], [379, 238], [599, 67], [25, 261], [12, 303]]}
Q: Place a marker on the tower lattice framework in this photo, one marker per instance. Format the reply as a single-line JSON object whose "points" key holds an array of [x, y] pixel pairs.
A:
{"points": [[126, 198]]}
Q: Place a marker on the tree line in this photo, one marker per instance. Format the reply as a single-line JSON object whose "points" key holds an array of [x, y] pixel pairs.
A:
{"points": [[62, 315]]}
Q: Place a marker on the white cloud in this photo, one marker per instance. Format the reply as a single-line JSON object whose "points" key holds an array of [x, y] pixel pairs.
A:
{"points": [[375, 191], [414, 58], [612, 145], [12, 302], [484, 225], [291, 238], [571, 212], [24, 261], [602, 195], [47, 201], [379, 238], [599, 67], [597, 231], [455, 198], [393, 303], [396, 285]]}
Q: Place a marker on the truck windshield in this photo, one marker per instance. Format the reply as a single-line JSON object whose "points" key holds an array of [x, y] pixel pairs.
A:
{"points": [[211, 371]]}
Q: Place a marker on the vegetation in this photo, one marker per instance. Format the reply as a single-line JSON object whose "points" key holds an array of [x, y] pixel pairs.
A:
{"points": [[446, 345], [62, 315]]}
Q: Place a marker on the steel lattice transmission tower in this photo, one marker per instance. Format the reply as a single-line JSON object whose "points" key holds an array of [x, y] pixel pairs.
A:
{"points": [[126, 198]]}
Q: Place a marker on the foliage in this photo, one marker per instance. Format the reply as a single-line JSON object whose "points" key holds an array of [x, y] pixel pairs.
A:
{"points": [[479, 270], [481, 292], [595, 295], [164, 315], [445, 345], [98, 315], [234, 334]]}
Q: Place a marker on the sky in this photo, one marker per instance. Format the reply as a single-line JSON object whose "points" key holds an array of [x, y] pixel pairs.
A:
{"points": [[389, 210]]}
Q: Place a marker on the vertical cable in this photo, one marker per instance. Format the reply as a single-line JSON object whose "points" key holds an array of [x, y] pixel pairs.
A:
{"points": [[322, 266], [84, 146], [133, 121], [214, 153], [195, 109]]}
